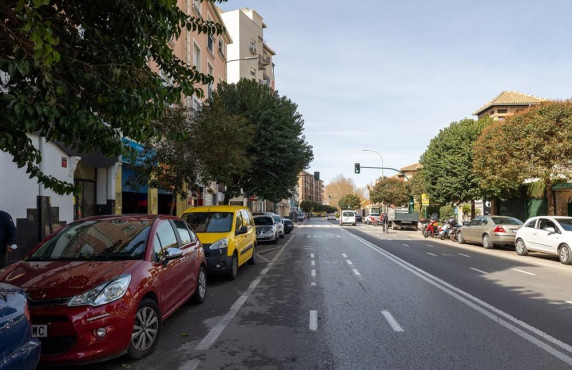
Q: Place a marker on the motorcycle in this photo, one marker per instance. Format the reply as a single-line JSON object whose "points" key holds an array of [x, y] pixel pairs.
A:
{"points": [[432, 229], [453, 232]]}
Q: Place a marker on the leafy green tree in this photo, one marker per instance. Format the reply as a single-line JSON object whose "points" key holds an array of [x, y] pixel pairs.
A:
{"points": [[350, 201], [448, 163], [306, 206], [533, 144], [278, 150], [446, 212], [78, 72], [390, 191]]}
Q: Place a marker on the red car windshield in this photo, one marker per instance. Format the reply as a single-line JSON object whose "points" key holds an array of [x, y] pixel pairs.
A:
{"points": [[96, 240]]}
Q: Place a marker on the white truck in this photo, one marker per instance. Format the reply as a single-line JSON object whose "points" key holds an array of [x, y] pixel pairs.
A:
{"points": [[402, 219]]}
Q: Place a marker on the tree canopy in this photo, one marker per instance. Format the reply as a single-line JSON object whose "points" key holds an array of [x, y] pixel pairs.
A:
{"points": [[534, 144], [390, 191], [350, 201], [276, 148], [339, 187], [79, 73], [448, 163]]}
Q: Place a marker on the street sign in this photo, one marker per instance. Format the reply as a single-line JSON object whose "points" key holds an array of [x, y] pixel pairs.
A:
{"points": [[424, 199]]}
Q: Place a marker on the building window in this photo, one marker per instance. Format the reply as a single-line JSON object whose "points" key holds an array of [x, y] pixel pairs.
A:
{"points": [[197, 57], [221, 46], [210, 86], [253, 73], [253, 46], [501, 111]]}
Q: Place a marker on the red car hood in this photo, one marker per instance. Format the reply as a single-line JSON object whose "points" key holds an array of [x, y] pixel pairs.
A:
{"points": [[60, 279]]}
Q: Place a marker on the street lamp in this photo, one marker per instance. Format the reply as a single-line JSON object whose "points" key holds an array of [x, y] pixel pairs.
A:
{"points": [[369, 150], [247, 58]]}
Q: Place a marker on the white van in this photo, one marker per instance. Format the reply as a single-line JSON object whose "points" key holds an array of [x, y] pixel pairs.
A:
{"points": [[348, 217]]}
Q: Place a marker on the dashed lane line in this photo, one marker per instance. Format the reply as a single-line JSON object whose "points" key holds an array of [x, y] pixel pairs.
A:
{"points": [[477, 270], [391, 321], [313, 326], [524, 272]]}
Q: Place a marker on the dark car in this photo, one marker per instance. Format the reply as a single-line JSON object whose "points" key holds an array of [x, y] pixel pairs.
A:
{"points": [[101, 286], [288, 225], [18, 349]]}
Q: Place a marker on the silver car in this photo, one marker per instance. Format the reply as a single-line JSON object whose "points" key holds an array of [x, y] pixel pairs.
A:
{"points": [[279, 225], [490, 231], [266, 229]]}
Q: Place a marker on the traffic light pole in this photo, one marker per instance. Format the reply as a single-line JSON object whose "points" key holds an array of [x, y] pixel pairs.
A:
{"points": [[358, 167]]}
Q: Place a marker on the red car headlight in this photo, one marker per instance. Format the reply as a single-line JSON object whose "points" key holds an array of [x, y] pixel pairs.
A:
{"points": [[103, 294]]}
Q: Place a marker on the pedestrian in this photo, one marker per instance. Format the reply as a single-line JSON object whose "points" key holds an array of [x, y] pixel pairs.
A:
{"points": [[7, 236]]}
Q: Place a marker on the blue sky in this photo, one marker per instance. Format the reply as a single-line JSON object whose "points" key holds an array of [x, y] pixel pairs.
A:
{"points": [[388, 75]]}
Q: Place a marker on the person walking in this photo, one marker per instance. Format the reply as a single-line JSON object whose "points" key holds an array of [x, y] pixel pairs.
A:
{"points": [[7, 236], [384, 222]]}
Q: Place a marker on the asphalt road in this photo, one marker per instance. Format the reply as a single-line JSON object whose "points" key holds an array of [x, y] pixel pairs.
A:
{"points": [[328, 297]]}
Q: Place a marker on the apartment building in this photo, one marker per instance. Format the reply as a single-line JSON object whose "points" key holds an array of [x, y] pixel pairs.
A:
{"points": [[249, 56], [507, 104]]}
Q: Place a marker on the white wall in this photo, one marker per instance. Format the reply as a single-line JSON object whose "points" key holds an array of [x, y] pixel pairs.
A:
{"points": [[18, 192]]}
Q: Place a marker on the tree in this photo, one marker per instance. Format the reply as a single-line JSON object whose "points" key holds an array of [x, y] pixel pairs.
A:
{"points": [[306, 206], [448, 163], [278, 150], [350, 201], [339, 187], [78, 72], [532, 144], [390, 191]]}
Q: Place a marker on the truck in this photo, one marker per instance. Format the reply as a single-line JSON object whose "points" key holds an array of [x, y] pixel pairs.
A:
{"points": [[402, 219]]}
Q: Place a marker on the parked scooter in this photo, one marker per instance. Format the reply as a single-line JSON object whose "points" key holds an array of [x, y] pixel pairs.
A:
{"points": [[432, 228]]}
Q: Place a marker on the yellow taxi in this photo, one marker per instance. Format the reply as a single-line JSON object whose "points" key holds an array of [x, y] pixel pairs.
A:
{"points": [[227, 234]]}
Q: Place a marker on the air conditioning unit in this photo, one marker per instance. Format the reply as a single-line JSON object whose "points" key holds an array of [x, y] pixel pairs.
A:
{"points": [[253, 47]]}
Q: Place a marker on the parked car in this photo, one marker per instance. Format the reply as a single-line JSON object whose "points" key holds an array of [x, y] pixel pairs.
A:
{"points": [[266, 229], [348, 217], [490, 231], [288, 225], [101, 286], [372, 219], [228, 236], [279, 225], [331, 216], [18, 349], [546, 234]]}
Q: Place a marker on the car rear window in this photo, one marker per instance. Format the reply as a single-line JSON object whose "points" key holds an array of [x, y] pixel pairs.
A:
{"points": [[349, 214], [566, 223], [506, 221], [209, 222], [264, 220]]}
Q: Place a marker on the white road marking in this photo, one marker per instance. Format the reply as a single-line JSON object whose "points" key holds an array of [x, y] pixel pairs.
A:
{"points": [[481, 271], [569, 302], [349, 262], [525, 272], [434, 255], [313, 320], [217, 330], [190, 365], [464, 255], [311, 255], [406, 245], [391, 321], [429, 245], [313, 284], [313, 263], [344, 255], [528, 332], [356, 272], [313, 272]]}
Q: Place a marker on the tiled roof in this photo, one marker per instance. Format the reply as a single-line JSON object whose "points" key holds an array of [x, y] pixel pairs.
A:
{"points": [[412, 167], [511, 98]]}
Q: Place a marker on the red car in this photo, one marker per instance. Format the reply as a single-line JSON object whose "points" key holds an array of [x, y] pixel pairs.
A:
{"points": [[101, 286]]}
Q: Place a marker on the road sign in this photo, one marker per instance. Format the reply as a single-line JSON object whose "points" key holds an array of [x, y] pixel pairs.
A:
{"points": [[424, 199]]}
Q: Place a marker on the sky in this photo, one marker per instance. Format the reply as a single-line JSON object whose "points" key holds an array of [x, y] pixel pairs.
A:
{"points": [[388, 75]]}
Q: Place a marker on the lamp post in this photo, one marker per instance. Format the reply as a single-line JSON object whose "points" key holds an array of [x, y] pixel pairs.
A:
{"points": [[369, 150]]}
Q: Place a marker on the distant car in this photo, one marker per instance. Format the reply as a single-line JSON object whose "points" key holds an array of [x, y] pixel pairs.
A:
{"points": [[228, 235], [288, 225], [266, 229], [101, 286], [490, 231], [546, 234], [372, 218], [348, 217], [331, 216], [18, 349]]}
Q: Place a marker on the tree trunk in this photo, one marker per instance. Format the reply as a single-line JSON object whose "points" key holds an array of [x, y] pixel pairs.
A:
{"points": [[473, 212], [550, 197], [226, 199]]}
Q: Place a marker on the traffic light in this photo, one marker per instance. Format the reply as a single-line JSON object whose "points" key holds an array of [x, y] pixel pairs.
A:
{"points": [[411, 204], [356, 168]]}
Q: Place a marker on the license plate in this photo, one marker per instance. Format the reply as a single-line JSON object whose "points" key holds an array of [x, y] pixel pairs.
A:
{"points": [[40, 331], [513, 230]]}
